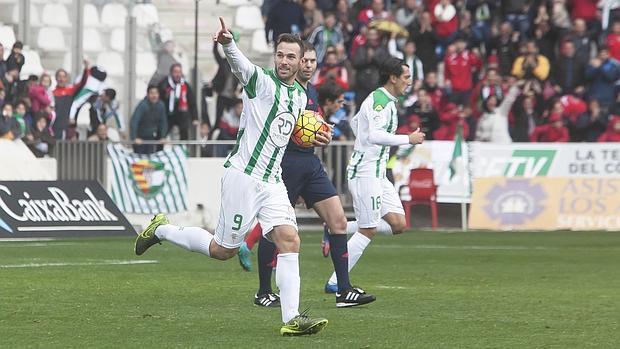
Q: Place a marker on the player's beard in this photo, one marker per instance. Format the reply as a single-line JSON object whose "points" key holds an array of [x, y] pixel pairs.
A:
{"points": [[288, 74]]}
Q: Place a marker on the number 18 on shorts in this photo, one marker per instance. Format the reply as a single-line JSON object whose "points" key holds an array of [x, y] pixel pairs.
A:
{"points": [[373, 198]]}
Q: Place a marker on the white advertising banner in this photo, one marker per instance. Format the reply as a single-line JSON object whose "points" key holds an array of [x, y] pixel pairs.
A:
{"points": [[454, 174], [545, 160]]}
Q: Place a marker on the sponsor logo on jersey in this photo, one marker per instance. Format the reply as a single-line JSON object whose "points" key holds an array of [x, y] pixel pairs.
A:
{"points": [[281, 129]]}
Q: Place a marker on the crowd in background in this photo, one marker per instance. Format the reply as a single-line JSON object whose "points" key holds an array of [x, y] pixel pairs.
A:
{"points": [[500, 71], [496, 70], [40, 110]]}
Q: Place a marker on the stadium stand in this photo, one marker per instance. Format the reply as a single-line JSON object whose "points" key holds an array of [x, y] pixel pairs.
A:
{"points": [[55, 15], [113, 15]]}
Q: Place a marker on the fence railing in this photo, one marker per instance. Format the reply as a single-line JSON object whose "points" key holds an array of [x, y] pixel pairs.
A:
{"points": [[85, 160], [81, 160]]}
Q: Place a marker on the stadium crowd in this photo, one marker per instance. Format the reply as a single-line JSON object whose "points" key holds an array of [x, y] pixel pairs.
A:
{"points": [[498, 70], [502, 71]]}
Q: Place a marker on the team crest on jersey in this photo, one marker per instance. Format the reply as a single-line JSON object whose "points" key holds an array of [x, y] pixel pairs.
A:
{"points": [[281, 129], [148, 177], [379, 107]]}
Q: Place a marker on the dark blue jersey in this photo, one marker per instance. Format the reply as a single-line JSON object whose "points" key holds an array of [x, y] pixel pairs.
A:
{"points": [[313, 104]]}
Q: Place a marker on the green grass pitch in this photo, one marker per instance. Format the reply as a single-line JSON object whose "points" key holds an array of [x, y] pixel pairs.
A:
{"points": [[434, 290]]}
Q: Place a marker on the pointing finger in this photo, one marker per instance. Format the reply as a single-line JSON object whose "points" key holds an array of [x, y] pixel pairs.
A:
{"points": [[222, 24]]}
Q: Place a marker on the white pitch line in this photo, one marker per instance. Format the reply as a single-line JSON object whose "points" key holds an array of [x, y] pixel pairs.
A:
{"points": [[391, 287], [448, 247], [27, 239], [40, 244], [102, 262]]}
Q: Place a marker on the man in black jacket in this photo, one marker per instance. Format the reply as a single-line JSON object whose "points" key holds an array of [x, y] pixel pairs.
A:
{"points": [[568, 71], [178, 98], [285, 16], [149, 122], [225, 84]]}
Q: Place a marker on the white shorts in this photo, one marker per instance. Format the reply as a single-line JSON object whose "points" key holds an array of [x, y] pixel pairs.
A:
{"points": [[373, 198], [245, 198]]}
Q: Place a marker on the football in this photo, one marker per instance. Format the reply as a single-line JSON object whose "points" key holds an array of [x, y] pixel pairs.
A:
{"points": [[308, 124]]}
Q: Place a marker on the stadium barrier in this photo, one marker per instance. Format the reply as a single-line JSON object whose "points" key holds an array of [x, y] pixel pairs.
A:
{"points": [[87, 160], [81, 160], [477, 163]]}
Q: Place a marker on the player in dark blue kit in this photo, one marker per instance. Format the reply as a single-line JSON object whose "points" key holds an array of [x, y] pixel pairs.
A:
{"points": [[304, 176]]}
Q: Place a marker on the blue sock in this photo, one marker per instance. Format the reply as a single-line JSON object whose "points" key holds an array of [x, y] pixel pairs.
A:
{"points": [[266, 250], [340, 257]]}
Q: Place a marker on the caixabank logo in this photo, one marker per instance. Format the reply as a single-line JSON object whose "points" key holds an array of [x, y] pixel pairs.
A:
{"points": [[58, 208]]}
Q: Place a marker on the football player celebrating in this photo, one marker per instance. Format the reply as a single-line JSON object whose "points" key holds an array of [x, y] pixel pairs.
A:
{"points": [[251, 186]]}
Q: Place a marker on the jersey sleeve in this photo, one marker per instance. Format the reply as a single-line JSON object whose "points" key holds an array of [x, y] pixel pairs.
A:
{"points": [[240, 66], [376, 131]]}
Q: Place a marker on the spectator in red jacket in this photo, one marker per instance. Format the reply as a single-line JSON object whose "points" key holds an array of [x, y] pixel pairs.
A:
{"points": [[613, 131], [446, 19], [459, 72], [584, 9], [333, 70], [491, 85], [376, 10], [435, 93], [63, 98], [451, 119], [573, 107], [553, 131], [412, 125], [613, 41], [39, 100]]}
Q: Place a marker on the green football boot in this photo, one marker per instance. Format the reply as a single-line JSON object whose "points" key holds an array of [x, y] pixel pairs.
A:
{"points": [[148, 238], [302, 325]]}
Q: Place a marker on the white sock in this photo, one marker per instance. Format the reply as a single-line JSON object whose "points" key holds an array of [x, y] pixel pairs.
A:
{"points": [[356, 246], [190, 238], [288, 281], [351, 227], [384, 228]]}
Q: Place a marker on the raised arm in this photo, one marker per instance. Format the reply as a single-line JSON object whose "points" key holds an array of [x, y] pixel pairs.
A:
{"points": [[240, 66]]}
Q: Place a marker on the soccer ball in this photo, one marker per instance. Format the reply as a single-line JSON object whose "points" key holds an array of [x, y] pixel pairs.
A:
{"points": [[308, 124]]}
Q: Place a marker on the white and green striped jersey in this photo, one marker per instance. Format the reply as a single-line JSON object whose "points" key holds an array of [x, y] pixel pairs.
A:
{"points": [[270, 111], [374, 126]]}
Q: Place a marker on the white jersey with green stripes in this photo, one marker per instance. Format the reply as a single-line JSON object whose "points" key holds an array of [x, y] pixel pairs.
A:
{"points": [[270, 111], [377, 113]]}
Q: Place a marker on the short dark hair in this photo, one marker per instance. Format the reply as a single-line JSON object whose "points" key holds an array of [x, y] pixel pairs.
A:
{"points": [[110, 93], [18, 44], [21, 102], [150, 87], [290, 38], [329, 91], [390, 66], [308, 47], [40, 115], [174, 65]]}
